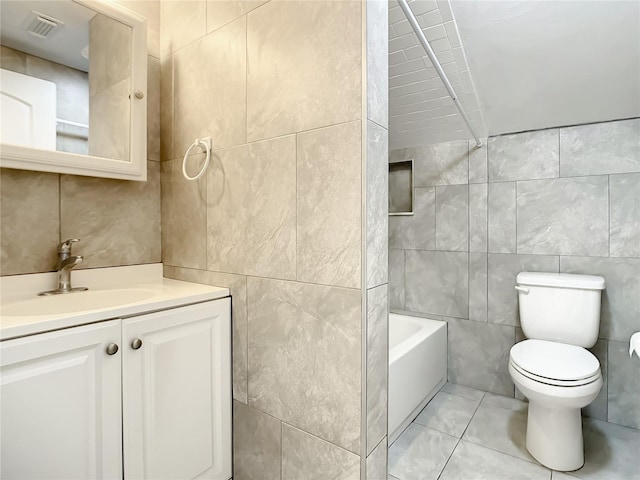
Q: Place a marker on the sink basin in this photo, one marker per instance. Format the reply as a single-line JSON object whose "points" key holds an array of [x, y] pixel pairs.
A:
{"points": [[75, 302]]}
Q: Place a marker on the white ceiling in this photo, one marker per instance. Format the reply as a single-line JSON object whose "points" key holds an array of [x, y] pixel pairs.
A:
{"points": [[64, 47], [420, 109], [539, 64]]}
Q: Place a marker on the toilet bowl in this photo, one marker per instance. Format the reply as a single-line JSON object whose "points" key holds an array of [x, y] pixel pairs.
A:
{"points": [[560, 316], [558, 380]]}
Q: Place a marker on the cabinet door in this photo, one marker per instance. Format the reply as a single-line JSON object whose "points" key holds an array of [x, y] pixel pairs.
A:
{"points": [[177, 393], [60, 403]]}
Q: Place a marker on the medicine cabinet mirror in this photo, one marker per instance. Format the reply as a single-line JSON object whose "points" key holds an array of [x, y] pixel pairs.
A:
{"points": [[73, 88]]}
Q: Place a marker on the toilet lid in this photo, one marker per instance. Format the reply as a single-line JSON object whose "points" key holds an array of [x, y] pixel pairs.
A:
{"points": [[556, 361]]}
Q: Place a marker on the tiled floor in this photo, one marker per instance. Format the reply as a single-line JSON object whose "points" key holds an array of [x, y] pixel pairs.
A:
{"points": [[466, 434]]}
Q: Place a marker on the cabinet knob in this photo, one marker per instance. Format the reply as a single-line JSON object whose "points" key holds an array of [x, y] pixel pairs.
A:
{"points": [[112, 349], [139, 94], [136, 344]]}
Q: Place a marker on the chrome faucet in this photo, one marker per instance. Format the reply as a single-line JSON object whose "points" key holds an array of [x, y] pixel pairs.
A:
{"points": [[66, 262]]}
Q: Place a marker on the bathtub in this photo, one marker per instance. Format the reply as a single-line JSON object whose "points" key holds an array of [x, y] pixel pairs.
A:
{"points": [[417, 367]]}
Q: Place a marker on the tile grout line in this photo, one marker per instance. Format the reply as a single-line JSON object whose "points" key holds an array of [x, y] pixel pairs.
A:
{"points": [[461, 435], [246, 306], [609, 212]]}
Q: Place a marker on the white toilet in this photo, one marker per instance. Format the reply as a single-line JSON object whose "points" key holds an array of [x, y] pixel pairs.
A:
{"points": [[560, 316]]}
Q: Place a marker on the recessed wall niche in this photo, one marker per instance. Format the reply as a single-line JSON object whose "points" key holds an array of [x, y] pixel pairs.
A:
{"points": [[401, 188]]}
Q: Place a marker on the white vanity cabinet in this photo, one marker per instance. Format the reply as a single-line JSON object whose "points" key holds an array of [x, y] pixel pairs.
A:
{"points": [[177, 393], [160, 406], [60, 404]]}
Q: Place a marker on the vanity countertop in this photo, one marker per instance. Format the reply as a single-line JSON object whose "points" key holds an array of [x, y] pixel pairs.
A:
{"points": [[114, 292]]}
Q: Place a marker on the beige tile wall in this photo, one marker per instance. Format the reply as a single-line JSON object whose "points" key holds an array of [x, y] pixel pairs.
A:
{"points": [[118, 221], [280, 217]]}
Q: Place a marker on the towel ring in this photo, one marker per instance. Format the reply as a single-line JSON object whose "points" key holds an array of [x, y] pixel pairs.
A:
{"points": [[205, 143]]}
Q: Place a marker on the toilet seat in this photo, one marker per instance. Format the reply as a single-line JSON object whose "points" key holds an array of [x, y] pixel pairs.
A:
{"points": [[555, 363]]}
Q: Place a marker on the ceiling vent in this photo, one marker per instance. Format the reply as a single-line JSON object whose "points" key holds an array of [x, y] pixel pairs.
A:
{"points": [[42, 26]]}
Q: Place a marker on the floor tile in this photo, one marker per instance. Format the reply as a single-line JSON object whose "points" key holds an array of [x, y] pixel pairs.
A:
{"points": [[420, 453], [513, 404], [611, 452], [474, 462], [448, 413], [462, 391], [500, 429], [561, 476]]}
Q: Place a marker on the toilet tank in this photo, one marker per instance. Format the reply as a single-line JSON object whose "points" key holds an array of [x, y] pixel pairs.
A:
{"points": [[560, 307]]}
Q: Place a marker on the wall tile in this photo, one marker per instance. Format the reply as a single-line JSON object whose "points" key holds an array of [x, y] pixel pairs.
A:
{"points": [[524, 156], [478, 287], [609, 147], [150, 9], [153, 108], [221, 12], [376, 464], [478, 217], [478, 162], [479, 355], [183, 21], [440, 164], [184, 217], [30, 220], [237, 285], [452, 218], [396, 279], [625, 215], [598, 408], [437, 282], [308, 457], [417, 231], [166, 108], [502, 272], [319, 80], [399, 155], [251, 209], [377, 364], [329, 205], [222, 115], [519, 338], [501, 206], [378, 62], [620, 300], [377, 204], [624, 390], [13, 60], [118, 221], [257, 444], [579, 227], [318, 392]]}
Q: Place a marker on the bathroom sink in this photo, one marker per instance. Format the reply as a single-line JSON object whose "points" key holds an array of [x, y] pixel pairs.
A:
{"points": [[75, 302], [113, 292]]}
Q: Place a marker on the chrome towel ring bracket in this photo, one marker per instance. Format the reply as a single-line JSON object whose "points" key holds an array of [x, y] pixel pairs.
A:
{"points": [[205, 144]]}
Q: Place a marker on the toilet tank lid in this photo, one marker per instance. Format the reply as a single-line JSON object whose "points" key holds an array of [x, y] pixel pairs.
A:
{"points": [[561, 280]]}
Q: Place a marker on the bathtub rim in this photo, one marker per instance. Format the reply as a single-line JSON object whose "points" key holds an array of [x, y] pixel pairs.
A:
{"points": [[429, 326]]}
